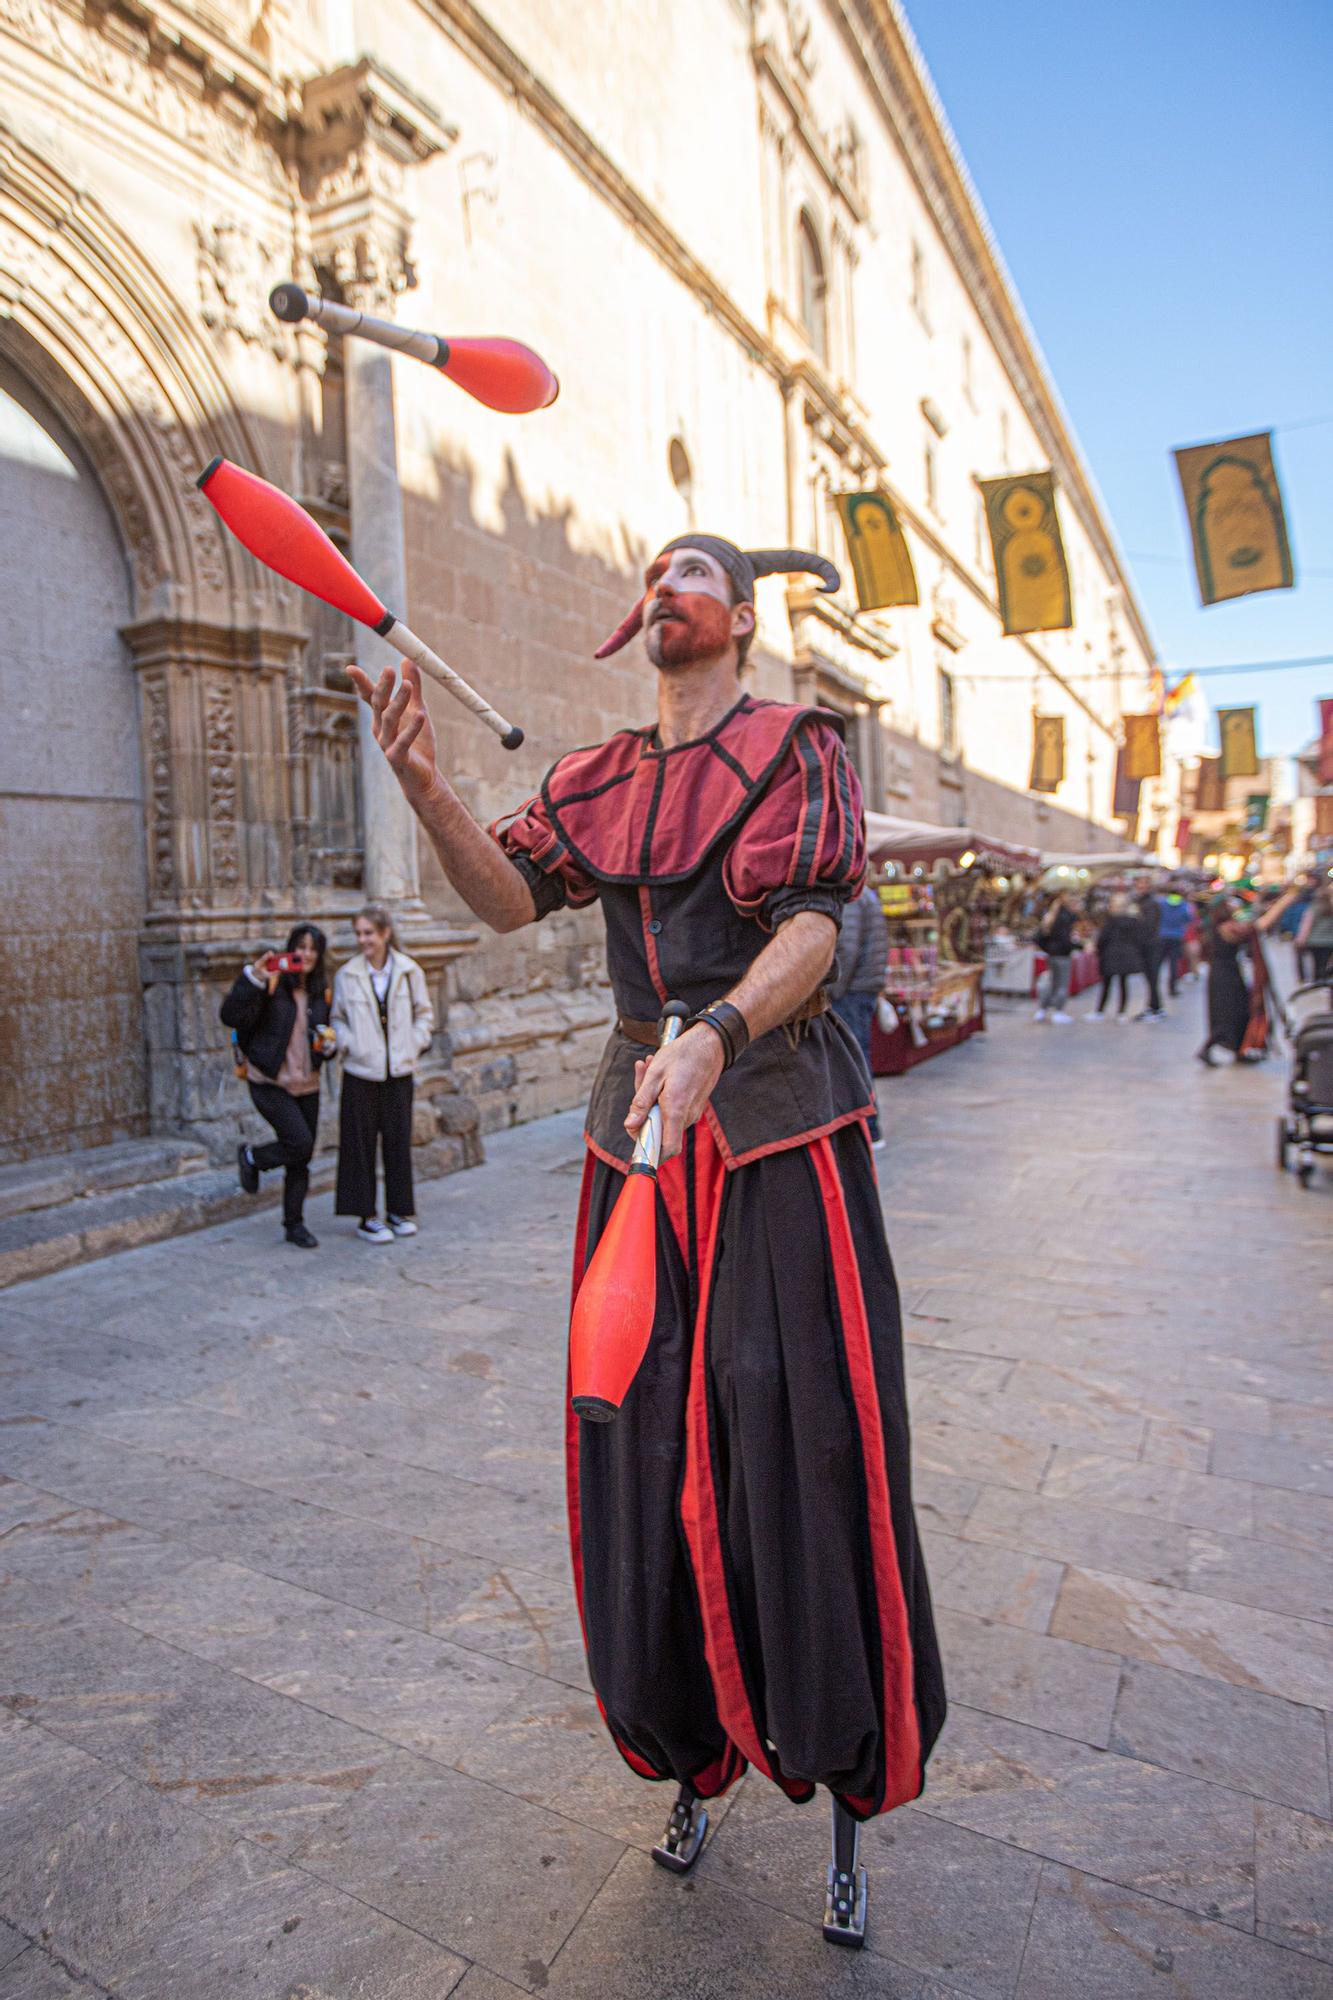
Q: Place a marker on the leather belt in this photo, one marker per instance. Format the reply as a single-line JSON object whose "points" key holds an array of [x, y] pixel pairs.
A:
{"points": [[645, 1032]]}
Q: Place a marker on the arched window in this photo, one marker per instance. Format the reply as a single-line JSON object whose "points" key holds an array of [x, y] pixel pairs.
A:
{"points": [[814, 286]]}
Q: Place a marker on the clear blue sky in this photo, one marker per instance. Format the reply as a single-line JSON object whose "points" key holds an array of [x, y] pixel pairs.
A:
{"points": [[1159, 176]]}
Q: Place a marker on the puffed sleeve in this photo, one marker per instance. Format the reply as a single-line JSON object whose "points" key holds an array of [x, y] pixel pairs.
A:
{"points": [[543, 860], [803, 846]]}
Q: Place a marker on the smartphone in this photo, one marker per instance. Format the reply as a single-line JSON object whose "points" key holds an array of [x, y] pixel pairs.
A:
{"points": [[283, 961]]}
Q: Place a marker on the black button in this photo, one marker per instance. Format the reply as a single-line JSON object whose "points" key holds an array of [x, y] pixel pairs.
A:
{"points": [[655, 926]]}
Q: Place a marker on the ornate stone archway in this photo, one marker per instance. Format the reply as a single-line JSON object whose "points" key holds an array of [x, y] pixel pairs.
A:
{"points": [[213, 637]]}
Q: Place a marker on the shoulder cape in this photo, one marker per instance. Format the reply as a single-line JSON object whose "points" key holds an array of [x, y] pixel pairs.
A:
{"points": [[627, 811]]}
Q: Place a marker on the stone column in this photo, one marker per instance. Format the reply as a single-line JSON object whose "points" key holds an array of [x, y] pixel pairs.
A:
{"points": [[375, 502], [364, 131]]}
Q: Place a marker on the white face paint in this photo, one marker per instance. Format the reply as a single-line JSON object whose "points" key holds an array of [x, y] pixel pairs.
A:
{"points": [[688, 613]]}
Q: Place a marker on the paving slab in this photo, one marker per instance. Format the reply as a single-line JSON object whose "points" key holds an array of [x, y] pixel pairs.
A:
{"points": [[1236, 1736], [1098, 1941]]}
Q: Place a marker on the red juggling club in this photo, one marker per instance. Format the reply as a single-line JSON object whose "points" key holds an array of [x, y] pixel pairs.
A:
{"points": [[503, 374], [612, 1321], [281, 535]]}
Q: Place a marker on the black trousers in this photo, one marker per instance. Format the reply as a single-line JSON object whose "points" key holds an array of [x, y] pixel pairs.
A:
{"points": [[371, 1113], [294, 1119], [1120, 978]]}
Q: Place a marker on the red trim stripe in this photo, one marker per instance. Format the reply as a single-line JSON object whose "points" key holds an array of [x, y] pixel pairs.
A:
{"points": [[631, 1757], [900, 1729], [698, 1494]]}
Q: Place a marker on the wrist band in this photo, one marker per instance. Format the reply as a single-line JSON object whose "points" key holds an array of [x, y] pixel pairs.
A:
{"points": [[729, 1025]]}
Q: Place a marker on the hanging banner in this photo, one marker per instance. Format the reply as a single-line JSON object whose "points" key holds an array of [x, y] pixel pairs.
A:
{"points": [[1323, 815], [1031, 574], [880, 558], [1234, 506], [1183, 827], [1326, 742], [1048, 753], [1125, 797], [1256, 812], [1143, 747], [1240, 757], [1210, 789]]}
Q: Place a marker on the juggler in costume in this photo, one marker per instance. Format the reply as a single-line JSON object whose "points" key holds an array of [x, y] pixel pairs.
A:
{"points": [[745, 1554]]}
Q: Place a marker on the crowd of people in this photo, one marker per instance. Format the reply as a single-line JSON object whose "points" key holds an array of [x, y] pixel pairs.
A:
{"points": [[288, 1021], [1163, 936]]}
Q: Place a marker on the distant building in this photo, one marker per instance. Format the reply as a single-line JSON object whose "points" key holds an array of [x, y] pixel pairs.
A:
{"points": [[747, 242]]}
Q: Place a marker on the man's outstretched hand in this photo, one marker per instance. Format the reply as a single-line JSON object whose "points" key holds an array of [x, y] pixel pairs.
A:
{"points": [[402, 728]]}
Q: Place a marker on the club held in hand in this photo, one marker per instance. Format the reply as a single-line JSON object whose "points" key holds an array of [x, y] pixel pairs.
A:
{"points": [[612, 1321]]}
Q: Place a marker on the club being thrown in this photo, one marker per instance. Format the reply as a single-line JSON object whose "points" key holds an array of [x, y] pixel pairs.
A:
{"points": [[503, 374], [280, 534], [612, 1321]]}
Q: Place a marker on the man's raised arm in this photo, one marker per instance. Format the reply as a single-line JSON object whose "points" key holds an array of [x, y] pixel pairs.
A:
{"points": [[481, 872]]}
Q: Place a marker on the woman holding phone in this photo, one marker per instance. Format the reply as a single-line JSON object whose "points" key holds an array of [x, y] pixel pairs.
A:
{"points": [[279, 1008]]}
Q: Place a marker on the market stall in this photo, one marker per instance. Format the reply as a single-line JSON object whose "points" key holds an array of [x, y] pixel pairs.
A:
{"points": [[945, 893]]}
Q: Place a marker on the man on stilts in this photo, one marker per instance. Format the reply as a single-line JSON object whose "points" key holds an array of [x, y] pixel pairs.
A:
{"points": [[745, 1554]]}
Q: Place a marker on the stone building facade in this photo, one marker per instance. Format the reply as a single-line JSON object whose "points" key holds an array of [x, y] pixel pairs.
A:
{"points": [[742, 235]]}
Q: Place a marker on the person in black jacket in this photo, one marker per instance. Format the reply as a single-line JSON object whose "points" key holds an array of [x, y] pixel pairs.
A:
{"points": [[281, 1019], [1119, 954], [1148, 917]]}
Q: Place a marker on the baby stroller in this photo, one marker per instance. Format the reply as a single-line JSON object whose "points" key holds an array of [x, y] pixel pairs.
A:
{"points": [[1307, 1123]]}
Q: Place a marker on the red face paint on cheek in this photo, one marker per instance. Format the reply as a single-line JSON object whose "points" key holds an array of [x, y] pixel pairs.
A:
{"points": [[701, 632]]}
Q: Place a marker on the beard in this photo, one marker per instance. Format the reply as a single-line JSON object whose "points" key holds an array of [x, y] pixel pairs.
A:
{"points": [[700, 629]]}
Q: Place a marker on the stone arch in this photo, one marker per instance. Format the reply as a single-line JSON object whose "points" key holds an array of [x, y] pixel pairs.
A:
{"points": [[87, 318]]}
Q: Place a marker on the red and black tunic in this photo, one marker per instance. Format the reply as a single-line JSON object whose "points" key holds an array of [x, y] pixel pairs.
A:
{"points": [[745, 1554]]}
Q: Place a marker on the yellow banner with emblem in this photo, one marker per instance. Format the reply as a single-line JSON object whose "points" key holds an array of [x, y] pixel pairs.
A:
{"points": [[1048, 753], [1143, 747], [881, 560], [1240, 753], [1031, 573], [1237, 524]]}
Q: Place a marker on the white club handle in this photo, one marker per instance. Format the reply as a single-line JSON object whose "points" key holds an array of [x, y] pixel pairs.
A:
{"points": [[420, 654]]}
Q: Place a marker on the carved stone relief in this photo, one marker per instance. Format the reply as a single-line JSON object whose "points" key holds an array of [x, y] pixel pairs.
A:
{"points": [[106, 50], [236, 271], [220, 753]]}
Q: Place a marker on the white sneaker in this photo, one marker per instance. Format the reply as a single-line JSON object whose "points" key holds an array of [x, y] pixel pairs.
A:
{"points": [[1063, 1020], [1094, 1017], [402, 1225], [1040, 1014], [375, 1231]]}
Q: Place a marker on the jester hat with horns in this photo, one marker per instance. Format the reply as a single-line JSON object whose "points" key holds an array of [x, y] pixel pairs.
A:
{"points": [[742, 566]]}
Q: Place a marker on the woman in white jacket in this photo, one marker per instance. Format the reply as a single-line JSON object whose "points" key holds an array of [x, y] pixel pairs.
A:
{"points": [[384, 1021]]}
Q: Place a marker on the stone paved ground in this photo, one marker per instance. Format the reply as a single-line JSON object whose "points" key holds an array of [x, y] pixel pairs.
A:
{"points": [[294, 1702]]}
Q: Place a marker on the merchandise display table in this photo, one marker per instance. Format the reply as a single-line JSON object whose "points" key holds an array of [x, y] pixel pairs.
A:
{"points": [[954, 1004]]}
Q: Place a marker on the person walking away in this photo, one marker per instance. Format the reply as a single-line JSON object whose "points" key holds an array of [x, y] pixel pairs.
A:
{"points": [[278, 1009], [383, 1021], [1314, 939], [863, 951], [1055, 936], [1234, 1006], [1119, 954], [1148, 920], [1173, 922]]}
